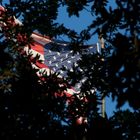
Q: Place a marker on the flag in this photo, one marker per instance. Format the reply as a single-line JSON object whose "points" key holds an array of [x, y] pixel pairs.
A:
{"points": [[53, 54]]}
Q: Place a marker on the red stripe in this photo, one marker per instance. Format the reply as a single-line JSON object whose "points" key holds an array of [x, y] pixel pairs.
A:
{"points": [[38, 47], [41, 65]]}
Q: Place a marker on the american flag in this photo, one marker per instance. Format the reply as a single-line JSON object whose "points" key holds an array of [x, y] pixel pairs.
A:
{"points": [[54, 54]]}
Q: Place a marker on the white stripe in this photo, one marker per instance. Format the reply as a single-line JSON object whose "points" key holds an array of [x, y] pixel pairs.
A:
{"points": [[34, 53], [41, 70], [40, 39]]}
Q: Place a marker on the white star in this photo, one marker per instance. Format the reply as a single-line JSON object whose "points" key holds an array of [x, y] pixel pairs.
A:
{"points": [[56, 65], [80, 69], [50, 51], [58, 53], [69, 61], [61, 59], [72, 56], [54, 57], [67, 55], [75, 64], [71, 70], [54, 69], [61, 72], [50, 62]]}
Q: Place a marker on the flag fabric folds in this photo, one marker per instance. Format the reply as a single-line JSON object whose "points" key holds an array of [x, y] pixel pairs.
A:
{"points": [[56, 55], [53, 54]]}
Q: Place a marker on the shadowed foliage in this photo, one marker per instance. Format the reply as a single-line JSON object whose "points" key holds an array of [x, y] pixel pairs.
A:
{"points": [[29, 106]]}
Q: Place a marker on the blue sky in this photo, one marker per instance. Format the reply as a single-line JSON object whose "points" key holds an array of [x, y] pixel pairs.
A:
{"points": [[78, 24], [81, 22]]}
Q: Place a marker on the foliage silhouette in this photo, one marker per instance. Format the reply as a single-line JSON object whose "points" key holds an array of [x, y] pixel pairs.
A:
{"points": [[29, 107]]}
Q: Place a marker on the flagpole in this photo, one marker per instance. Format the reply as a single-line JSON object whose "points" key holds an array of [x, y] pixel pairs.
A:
{"points": [[101, 41]]}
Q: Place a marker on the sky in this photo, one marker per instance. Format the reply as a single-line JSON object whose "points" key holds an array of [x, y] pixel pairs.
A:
{"points": [[81, 22], [78, 24]]}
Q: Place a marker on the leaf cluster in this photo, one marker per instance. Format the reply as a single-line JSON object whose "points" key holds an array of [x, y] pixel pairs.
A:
{"points": [[29, 105]]}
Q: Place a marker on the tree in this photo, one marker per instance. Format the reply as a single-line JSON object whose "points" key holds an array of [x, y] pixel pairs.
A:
{"points": [[29, 107], [27, 112]]}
